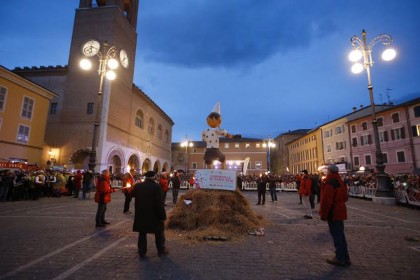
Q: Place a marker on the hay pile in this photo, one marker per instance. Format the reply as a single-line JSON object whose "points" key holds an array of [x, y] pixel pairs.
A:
{"points": [[214, 215]]}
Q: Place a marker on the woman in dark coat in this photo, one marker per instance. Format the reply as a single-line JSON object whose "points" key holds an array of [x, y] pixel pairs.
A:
{"points": [[150, 214]]}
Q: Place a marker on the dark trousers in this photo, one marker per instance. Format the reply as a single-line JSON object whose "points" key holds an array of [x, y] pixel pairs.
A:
{"points": [[273, 193], [261, 195], [159, 241], [164, 197], [100, 213], [127, 201], [340, 243], [175, 192]]}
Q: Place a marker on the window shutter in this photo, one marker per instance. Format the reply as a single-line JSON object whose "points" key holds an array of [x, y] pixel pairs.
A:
{"points": [[386, 136], [414, 130], [392, 135], [369, 139], [403, 132]]}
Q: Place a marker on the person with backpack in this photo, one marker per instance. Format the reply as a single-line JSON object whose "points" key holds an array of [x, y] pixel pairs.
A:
{"points": [[334, 196]]}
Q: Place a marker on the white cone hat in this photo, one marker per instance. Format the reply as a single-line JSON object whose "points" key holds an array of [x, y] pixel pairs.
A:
{"points": [[216, 108]]}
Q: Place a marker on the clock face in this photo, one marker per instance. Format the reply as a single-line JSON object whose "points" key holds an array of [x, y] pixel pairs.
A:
{"points": [[124, 58], [91, 48]]}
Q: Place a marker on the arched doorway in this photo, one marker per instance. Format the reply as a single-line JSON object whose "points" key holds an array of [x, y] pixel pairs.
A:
{"points": [[80, 159], [134, 163], [115, 162], [165, 167], [156, 167], [146, 166]]}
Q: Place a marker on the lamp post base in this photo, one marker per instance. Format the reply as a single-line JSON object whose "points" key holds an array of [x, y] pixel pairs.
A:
{"points": [[384, 194]]}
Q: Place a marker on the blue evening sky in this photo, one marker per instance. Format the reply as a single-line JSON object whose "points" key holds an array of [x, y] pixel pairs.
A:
{"points": [[274, 65]]}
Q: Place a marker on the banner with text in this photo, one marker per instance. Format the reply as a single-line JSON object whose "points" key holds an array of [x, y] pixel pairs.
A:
{"points": [[216, 179]]}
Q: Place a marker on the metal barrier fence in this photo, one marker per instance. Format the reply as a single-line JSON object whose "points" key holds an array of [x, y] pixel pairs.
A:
{"points": [[407, 197], [252, 186]]}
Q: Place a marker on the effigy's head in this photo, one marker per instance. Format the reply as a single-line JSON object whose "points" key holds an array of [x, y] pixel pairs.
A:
{"points": [[214, 120]]}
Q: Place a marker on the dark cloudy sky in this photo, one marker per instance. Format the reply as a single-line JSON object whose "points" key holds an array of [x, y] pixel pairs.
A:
{"points": [[274, 65]]}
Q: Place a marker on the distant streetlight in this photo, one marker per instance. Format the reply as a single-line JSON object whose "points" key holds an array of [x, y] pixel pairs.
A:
{"points": [[107, 65], [186, 143], [363, 50], [269, 144]]}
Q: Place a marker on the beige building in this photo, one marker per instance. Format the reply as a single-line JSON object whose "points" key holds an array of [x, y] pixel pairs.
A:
{"points": [[306, 152], [132, 131], [23, 119], [280, 154], [236, 150]]}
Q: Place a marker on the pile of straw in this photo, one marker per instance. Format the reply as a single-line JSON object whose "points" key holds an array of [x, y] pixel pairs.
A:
{"points": [[214, 215]]}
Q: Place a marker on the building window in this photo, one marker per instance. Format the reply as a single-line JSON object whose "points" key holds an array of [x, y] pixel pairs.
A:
{"points": [[356, 160], [258, 145], [401, 156], [3, 94], [340, 145], [329, 148], [236, 145], [89, 110], [365, 140], [258, 165], [166, 136], [395, 117], [139, 119], [151, 126], [354, 141], [159, 132], [194, 165], [247, 146], [380, 121], [53, 108], [23, 134], [398, 133], [364, 126], [339, 129], [327, 133], [416, 111], [27, 108], [368, 160], [416, 130], [353, 128], [385, 157], [383, 136], [226, 145]]}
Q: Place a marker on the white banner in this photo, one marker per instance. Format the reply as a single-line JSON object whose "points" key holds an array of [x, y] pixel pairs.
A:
{"points": [[216, 179]]}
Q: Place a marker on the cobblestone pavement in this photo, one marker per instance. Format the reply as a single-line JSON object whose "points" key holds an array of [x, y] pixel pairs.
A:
{"points": [[55, 238]]}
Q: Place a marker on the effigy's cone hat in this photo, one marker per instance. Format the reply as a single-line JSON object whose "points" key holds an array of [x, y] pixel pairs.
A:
{"points": [[216, 108]]}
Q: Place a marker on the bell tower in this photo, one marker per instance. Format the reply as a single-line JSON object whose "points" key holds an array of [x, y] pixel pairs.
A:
{"points": [[111, 23]]}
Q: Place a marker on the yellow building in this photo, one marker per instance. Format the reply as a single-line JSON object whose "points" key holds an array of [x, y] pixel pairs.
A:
{"points": [[306, 152], [24, 109]]}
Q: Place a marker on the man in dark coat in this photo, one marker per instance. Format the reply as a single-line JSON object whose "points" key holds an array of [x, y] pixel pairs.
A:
{"points": [[150, 214]]}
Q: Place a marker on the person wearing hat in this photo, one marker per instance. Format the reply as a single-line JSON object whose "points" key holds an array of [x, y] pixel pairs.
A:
{"points": [[149, 214], [333, 209], [305, 191], [211, 137]]}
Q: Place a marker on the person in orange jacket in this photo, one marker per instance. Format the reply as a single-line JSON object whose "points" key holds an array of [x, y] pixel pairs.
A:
{"points": [[333, 210], [102, 197], [305, 191], [128, 184]]}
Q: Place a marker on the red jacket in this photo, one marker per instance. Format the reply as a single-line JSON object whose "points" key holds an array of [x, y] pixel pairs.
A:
{"points": [[164, 183], [78, 181], [334, 195], [103, 190], [305, 186]]}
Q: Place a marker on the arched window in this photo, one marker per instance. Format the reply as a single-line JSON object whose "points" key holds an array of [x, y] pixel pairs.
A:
{"points": [[166, 136], [139, 119], [159, 132], [151, 126]]}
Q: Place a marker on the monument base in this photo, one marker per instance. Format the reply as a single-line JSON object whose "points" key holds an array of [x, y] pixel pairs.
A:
{"points": [[384, 200]]}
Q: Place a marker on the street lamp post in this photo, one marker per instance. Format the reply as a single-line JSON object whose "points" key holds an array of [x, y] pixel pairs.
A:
{"points": [[186, 143], [361, 49], [269, 144], [107, 63]]}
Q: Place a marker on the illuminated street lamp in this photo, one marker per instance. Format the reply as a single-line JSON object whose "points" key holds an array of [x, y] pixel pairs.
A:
{"points": [[107, 65], [186, 143], [363, 50], [269, 144]]}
